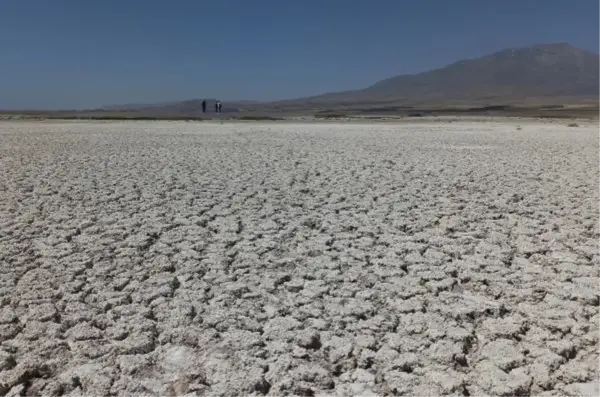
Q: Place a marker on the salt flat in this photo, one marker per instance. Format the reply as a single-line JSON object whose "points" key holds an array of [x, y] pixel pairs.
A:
{"points": [[173, 258]]}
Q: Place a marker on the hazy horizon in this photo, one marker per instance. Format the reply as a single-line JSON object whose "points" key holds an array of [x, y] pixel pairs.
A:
{"points": [[70, 54]]}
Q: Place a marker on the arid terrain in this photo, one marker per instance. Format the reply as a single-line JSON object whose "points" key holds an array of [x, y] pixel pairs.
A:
{"points": [[171, 258]]}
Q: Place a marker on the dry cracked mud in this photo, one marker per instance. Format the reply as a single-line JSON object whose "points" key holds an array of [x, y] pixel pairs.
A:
{"points": [[298, 259]]}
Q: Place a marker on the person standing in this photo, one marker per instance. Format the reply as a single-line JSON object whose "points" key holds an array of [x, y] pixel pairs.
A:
{"points": [[204, 106], [220, 106], [217, 107]]}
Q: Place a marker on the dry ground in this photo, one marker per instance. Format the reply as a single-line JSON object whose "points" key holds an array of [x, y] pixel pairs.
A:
{"points": [[235, 259]]}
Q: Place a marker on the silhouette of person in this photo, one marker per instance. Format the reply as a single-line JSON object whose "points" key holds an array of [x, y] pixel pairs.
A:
{"points": [[218, 106], [204, 106]]}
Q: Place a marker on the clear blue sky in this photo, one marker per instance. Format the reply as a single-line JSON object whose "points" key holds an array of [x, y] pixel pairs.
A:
{"points": [[86, 53]]}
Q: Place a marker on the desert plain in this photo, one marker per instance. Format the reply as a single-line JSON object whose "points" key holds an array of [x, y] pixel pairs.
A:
{"points": [[174, 258]]}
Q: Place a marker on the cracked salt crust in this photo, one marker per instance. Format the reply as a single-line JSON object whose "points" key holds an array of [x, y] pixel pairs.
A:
{"points": [[170, 258]]}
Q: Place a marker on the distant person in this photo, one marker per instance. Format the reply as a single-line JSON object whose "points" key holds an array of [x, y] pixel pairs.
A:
{"points": [[218, 106], [204, 106]]}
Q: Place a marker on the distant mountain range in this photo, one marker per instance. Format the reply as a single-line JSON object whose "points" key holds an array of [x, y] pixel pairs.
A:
{"points": [[540, 72]]}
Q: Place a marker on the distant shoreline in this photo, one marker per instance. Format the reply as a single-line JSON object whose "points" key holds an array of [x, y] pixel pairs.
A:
{"points": [[312, 120], [563, 112]]}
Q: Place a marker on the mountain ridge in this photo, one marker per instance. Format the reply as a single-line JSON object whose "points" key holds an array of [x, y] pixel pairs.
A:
{"points": [[542, 71], [505, 74]]}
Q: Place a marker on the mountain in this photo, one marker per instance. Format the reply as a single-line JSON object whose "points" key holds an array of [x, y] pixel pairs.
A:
{"points": [[540, 72], [547, 70]]}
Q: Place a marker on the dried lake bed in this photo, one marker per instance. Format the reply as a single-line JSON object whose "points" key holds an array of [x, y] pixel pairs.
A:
{"points": [[172, 258]]}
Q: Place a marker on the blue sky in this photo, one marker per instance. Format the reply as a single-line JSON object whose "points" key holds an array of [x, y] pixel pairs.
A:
{"points": [[87, 53]]}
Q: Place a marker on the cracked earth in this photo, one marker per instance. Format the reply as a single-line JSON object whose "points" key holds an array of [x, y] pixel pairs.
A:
{"points": [[298, 259]]}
